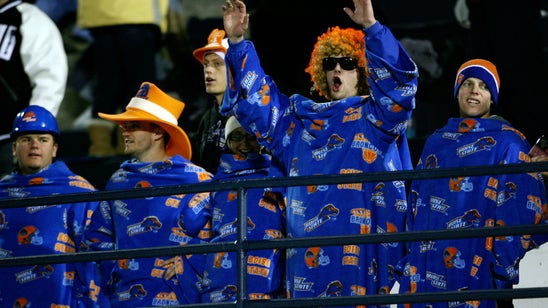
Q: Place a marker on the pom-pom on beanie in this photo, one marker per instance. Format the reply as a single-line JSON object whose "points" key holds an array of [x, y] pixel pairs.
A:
{"points": [[481, 69]]}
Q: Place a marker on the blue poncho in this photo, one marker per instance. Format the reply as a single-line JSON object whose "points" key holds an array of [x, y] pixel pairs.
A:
{"points": [[48, 229], [471, 202], [153, 222], [354, 135]]}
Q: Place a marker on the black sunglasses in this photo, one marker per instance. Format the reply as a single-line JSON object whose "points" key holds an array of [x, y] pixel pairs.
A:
{"points": [[346, 63]]}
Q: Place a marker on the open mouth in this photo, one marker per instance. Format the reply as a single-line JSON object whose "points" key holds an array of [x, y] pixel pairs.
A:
{"points": [[336, 83]]}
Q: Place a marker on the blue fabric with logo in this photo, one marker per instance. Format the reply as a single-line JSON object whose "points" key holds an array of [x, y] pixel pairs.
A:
{"points": [[471, 202], [353, 135], [157, 221]]}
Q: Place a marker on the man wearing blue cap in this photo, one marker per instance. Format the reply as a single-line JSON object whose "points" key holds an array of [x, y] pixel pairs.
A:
{"points": [[476, 138], [47, 229]]}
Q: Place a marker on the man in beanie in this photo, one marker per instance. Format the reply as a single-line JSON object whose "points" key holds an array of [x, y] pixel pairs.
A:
{"points": [[369, 83], [475, 138], [161, 156], [208, 142]]}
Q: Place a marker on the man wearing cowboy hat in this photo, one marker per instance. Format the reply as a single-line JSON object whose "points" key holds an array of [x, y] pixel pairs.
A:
{"points": [[161, 156]]}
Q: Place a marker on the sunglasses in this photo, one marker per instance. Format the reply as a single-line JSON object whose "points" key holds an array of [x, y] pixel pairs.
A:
{"points": [[240, 137], [346, 63]]}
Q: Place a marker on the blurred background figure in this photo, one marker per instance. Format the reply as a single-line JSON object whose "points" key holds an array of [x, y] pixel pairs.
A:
{"points": [[127, 36], [33, 67]]}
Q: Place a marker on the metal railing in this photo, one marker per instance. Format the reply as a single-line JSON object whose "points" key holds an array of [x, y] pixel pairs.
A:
{"points": [[242, 245]]}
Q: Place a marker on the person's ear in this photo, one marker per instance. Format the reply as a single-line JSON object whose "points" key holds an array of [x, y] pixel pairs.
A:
{"points": [[159, 131], [55, 148]]}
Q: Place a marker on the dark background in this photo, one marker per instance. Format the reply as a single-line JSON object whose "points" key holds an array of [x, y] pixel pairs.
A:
{"points": [[510, 34]]}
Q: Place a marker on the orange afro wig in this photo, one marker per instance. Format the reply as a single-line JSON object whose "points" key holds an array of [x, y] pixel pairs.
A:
{"points": [[336, 41]]}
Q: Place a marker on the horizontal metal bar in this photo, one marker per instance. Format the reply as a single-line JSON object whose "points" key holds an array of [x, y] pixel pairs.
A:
{"points": [[135, 193]]}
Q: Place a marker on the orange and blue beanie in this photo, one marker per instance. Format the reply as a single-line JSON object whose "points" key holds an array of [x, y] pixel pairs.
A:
{"points": [[481, 69]]}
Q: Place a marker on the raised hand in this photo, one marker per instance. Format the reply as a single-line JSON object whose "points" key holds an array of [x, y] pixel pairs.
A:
{"points": [[363, 14], [235, 19]]}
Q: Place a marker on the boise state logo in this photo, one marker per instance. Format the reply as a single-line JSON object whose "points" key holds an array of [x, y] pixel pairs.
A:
{"points": [[470, 218], [148, 224], [143, 184], [29, 235], [452, 258], [228, 293], [314, 257], [143, 91], [135, 291], [333, 289], [327, 213], [21, 302], [431, 162], [467, 125], [29, 117]]}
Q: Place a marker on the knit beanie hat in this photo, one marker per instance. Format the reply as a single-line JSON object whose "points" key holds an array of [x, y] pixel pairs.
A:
{"points": [[481, 69]]}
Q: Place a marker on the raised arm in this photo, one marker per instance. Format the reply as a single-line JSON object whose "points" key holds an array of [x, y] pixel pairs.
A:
{"points": [[363, 14], [236, 20]]}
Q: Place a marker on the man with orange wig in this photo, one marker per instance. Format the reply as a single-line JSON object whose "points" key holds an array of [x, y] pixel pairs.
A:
{"points": [[369, 83]]}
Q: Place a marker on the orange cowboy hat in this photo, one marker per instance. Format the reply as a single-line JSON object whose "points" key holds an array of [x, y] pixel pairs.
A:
{"points": [[151, 104]]}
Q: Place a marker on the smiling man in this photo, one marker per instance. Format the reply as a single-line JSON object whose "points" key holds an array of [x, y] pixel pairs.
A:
{"points": [[477, 88], [476, 138]]}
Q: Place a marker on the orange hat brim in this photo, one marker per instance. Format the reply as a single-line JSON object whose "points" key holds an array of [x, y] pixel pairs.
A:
{"points": [[179, 143], [200, 52]]}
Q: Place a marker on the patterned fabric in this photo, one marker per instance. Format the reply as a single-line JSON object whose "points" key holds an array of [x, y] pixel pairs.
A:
{"points": [[471, 202], [265, 221], [157, 221], [352, 135], [46, 230]]}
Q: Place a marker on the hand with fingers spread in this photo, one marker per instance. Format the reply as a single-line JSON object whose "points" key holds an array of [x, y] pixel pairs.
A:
{"points": [[363, 13], [235, 19]]}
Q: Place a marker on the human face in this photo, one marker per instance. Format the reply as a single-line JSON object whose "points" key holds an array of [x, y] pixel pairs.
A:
{"points": [[474, 99], [34, 152], [143, 140], [215, 75], [342, 83], [242, 143]]}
